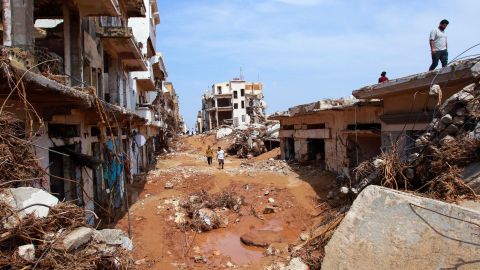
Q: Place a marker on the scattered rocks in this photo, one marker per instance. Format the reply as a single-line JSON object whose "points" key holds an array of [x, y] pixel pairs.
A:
{"points": [[271, 200], [169, 185]]}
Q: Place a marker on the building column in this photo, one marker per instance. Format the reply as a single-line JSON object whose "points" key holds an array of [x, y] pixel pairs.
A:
{"points": [[66, 43], [18, 23]]}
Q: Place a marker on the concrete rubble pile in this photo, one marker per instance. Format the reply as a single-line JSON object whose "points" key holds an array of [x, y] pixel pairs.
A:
{"points": [[250, 140], [271, 165], [449, 146], [36, 231], [203, 212]]}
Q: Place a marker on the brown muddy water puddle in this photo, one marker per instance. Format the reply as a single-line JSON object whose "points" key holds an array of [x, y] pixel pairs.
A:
{"points": [[227, 241]]}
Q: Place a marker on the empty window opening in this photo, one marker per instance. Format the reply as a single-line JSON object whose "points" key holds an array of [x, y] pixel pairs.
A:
{"points": [[235, 94], [288, 127], [235, 105], [63, 131], [373, 127], [224, 102], [316, 126]]}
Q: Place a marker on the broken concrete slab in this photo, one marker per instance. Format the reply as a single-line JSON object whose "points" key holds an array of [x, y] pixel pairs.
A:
{"points": [[31, 200], [114, 237], [388, 229], [77, 237]]}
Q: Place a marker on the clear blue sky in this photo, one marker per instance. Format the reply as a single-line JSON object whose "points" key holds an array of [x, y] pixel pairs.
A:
{"points": [[303, 50]]}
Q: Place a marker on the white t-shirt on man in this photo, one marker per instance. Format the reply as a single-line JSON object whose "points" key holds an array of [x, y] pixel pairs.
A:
{"points": [[220, 154], [439, 39]]}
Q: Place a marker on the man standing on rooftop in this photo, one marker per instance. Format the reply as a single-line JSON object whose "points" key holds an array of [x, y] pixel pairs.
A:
{"points": [[438, 45]]}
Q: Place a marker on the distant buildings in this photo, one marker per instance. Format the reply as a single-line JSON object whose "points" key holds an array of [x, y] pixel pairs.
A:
{"points": [[232, 103]]}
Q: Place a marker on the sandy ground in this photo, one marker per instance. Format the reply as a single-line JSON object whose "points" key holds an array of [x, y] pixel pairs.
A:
{"points": [[160, 244]]}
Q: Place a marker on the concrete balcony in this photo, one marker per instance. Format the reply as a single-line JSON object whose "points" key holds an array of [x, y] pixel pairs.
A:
{"points": [[134, 8], [99, 7], [146, 113], [158, 66], [119, 40]]}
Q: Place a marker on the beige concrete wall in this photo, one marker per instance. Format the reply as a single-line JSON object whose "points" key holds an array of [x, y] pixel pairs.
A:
{"points": [[336, 121]]}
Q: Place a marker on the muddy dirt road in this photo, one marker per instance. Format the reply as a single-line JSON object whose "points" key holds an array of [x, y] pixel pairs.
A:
{"points": [[160, 243]]}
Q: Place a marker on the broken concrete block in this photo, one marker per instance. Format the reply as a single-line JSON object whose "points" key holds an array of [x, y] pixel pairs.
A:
{"points": [[113, 237], [26, 198], [27, 252], [388, 229], [77, 238]]}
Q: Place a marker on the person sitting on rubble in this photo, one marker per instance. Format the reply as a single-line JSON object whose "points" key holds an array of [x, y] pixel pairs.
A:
{"points": [[383, 77], [209, 155], [220, 157]]}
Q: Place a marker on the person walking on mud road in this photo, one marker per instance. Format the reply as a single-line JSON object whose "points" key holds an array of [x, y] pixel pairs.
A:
{"points": [[438, 45], [220, 157], [209, 155]]}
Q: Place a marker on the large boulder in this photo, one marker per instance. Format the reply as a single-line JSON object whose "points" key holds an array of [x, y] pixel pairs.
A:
{"points": [[388, 229], [208, 218]]}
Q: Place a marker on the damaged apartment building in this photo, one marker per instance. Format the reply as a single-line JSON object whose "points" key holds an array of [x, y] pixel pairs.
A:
{"points": [[234, 103], [340, 134], [333, 134], [90, 86]]}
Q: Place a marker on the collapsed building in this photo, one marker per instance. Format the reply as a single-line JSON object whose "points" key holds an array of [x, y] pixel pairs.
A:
{"points": [[343, 133], [90, 88], [336, 134], [409, 104], [234, 103]]}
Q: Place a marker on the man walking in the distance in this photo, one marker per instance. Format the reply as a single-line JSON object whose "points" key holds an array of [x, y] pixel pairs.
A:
{"points": [[209, 155], [220, 157], [438, 45]]}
